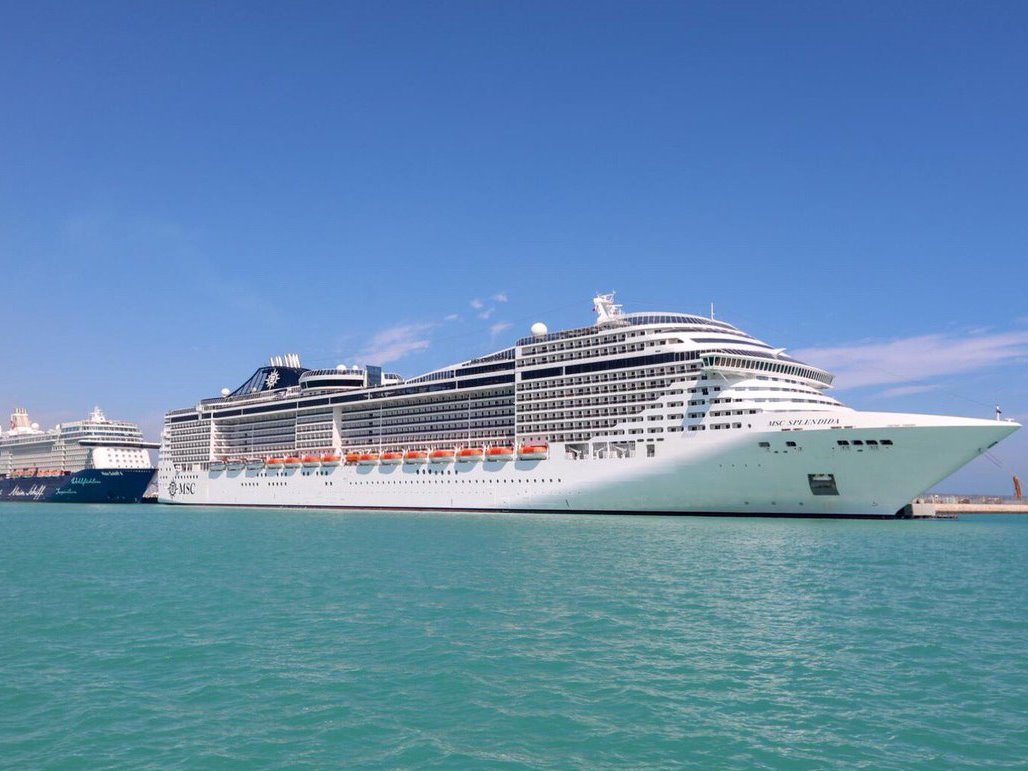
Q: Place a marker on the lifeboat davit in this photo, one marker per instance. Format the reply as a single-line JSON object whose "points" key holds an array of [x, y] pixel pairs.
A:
{"points": [[254, 463], [415, 456], [218, 465], [470, 455], [330, 460], [368, 459], [292, 462], [441, 456], [352, 457], [392, 458], [311, 461], [499, 453], [534, 452]]}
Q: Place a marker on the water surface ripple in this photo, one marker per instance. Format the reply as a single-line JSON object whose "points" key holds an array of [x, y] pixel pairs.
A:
{"points": [[146, 637]]}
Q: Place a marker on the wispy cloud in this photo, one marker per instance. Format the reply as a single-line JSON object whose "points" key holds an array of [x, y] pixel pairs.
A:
{"points": [[916, 358], [487, 313], [910, 390], [396, 342], [477, 304], [452, 317], [500, 297], [498, 327]]}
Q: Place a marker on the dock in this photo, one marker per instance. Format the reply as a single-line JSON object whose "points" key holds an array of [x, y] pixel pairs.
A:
{"points": [[946, 508]]}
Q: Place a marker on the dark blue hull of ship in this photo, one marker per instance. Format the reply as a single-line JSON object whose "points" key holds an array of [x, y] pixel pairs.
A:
{"points": [[87, 486]]}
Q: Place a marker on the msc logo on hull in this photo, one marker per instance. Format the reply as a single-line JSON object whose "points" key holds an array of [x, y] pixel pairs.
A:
{"points": [[186, 488]]}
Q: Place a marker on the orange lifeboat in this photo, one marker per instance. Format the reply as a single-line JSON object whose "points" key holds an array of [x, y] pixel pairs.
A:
{"points": [[392, 458], [534, 452], [470, 455], [292, 462], [275, 463], [368, 459], [415, 456], [310, 461], [441, 456], [352, 457], [499, 453], [330, 460]]}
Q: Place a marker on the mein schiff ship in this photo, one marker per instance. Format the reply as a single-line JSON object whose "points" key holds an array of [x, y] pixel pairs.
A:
{"points": [[87, 461], [638, 412]]}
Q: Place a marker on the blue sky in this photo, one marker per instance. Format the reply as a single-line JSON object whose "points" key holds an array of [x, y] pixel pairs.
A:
{"points": [[188, 188]]}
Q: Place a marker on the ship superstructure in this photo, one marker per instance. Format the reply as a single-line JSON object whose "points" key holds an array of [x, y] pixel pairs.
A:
{"points": [[91, 460], [637, 412]]}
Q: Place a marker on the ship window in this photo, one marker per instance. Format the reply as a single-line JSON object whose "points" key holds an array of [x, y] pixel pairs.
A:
{"points": [[843, 443], [790, 444], [887, 441], [858, 443], [822, 484], [765, 444]]}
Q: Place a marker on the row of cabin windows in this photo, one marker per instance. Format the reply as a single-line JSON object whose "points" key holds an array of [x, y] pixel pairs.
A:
{"points": [[605, 377]]}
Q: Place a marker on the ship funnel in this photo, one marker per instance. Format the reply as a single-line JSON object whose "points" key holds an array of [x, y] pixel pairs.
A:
{"points": [[605, 308], [289, 360], [20, 418]]}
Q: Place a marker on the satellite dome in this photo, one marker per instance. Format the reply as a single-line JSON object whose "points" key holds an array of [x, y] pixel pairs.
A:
{"points": [[539, 329], [35, 426], [225, 392], [355, 368], [341, 368]]}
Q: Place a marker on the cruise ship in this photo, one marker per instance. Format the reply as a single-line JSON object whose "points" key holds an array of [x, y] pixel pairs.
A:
{"points": [[665, 413], [95, 460]]}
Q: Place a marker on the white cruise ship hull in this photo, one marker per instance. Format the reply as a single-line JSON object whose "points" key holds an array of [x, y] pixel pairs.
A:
{"points": [[788, 464]]}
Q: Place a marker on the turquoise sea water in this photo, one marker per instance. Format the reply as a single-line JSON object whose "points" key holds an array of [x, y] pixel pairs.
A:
{"points": [[183, 638]]}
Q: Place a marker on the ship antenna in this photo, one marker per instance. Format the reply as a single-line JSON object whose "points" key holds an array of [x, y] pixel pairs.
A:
{"points": [[711, 311]]}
